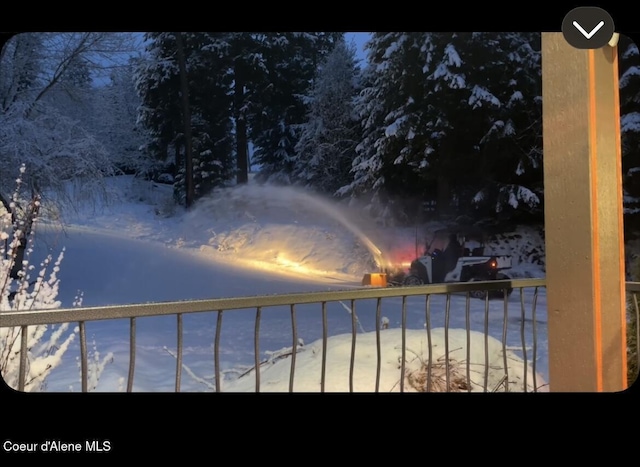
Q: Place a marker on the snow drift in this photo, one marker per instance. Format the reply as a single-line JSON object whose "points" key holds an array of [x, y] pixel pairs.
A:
{"points": [[516, 377]]}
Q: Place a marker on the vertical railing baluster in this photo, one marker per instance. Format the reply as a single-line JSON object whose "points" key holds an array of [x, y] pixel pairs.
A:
{"points": [[216, 351], [132, 353], [429, 343], [353, 345], [535, 340], [22, 371], [256, 347], [447, 310], [179, 353], [83, 357], [325, 338], [486, 341], [505, 362], [467, 319], [403, 365], [406, 349], [378, 343], [522, 336], [294, 349]]}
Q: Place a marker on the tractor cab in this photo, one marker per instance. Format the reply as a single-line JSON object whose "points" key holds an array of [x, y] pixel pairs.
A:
{"points": [[456, 255], [460, 242]]}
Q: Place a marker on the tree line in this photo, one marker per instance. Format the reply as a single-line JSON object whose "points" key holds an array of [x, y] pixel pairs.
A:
{"points": [[444, 121]]}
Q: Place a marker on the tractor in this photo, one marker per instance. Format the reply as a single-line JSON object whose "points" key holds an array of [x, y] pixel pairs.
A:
{"points": [[455, 255]]}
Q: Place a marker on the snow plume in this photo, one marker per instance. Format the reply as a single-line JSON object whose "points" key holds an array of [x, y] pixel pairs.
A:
{"points": [[283, 229]]}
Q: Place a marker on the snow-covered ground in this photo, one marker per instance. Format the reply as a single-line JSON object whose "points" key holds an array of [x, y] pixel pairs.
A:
{"points": [[252, 240], [279, 228]]}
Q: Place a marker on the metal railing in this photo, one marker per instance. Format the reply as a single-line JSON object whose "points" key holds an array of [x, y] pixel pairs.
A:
{"points": [[442, 303]]}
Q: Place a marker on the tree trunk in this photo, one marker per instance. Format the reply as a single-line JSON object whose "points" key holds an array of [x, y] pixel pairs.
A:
{"points": [[242, 174], [443, 200], [25, 226], [186, 114], [177, 161]]}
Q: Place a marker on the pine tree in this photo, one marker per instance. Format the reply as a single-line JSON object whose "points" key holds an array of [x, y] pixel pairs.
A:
{"points": [[242, 87], [396, 154], [629, 69], [373, 171], [452, 117], [326, 147], [247, 67], [508, 180], [114, 122], [291, 62], [158, 83]]}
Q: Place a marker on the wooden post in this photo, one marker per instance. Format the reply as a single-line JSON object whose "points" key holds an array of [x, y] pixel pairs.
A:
{"points": [[583, 217]]}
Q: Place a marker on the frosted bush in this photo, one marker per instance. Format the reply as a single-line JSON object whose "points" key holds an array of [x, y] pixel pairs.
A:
{"points": [[18, 292]]}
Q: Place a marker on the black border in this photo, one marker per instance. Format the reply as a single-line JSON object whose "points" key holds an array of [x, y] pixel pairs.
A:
{"points": [[443, 16], [302, 427]]}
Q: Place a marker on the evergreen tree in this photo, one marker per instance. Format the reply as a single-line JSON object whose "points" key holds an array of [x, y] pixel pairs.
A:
{"points": [[114, 122], [326, 147], [241, 64], [158, 83], [629, 69], [507, 178], [242, 87], [291, 60], [452, 117], [247, 71], [389, 108]]}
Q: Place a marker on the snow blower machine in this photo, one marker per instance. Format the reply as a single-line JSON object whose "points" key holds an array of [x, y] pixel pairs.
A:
{"points": [[455, 255]]}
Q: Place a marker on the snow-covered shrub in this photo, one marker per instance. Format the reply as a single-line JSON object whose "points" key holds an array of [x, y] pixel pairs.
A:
{"points": [[17, 293], [45, 344], [95, 366]]}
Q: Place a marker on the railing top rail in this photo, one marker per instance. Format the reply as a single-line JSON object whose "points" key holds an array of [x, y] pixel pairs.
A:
{"points": [[64, 315], [633, 286]]}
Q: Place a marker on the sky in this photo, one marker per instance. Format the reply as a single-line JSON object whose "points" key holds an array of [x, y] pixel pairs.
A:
{"points": [[359, 39], [134, 247]]}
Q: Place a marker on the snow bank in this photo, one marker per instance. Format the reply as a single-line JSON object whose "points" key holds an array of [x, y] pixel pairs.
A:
{"points": [[274, 376]]}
